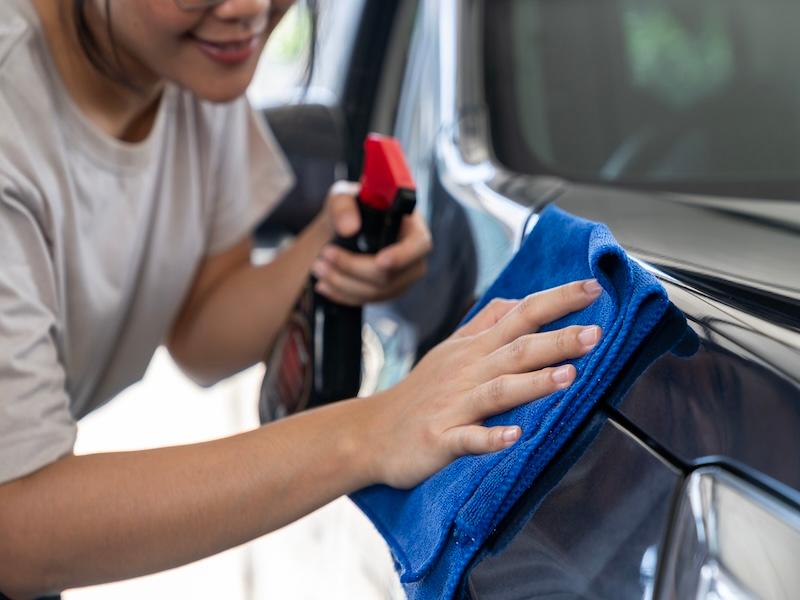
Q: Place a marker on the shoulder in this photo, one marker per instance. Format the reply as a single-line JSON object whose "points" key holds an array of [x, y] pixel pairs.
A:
{"points": [[28, 119], [14, 29], [23, 66]]}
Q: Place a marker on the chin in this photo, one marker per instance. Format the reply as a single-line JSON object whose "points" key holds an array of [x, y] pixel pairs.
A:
{"points": [[220, 95], [218, 91]]}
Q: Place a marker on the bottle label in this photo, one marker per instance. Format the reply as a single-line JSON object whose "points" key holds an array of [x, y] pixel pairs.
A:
{"points": [[286, 388]]}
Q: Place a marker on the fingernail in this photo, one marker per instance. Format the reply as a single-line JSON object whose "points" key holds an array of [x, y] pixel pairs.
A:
{"points": [[510, 435], [562, 375], [592, 287], [329, 253], [319, 268], [589, 336]]}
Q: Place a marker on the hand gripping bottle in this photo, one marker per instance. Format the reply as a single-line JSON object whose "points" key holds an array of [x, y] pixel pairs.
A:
{"points": [[317, 358]]}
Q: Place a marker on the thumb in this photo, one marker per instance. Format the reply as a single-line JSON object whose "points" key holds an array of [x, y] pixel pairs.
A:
{"points": [[343, 209]]}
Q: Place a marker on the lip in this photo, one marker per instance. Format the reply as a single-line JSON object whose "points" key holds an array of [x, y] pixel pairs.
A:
{"points": [[231, 52]]}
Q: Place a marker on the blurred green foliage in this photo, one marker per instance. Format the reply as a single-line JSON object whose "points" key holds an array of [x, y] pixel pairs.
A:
{"points": [[291, 40], [682, 60]]}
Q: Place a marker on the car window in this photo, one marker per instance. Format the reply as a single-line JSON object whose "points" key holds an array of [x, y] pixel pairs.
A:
{"points": [[648, 91], [282, 68], [282, 74]]}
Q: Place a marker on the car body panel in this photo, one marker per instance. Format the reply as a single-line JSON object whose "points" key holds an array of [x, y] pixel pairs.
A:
{"points": [[597, 528], [735, 279], [595, 536]]}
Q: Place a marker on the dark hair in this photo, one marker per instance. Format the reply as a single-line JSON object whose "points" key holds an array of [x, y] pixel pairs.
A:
{"points": [[313, 9], [91, 47], [113, 68]]}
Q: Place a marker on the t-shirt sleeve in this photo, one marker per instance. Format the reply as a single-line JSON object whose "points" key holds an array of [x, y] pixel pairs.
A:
{"points": [[252, 176], [36, 426]]}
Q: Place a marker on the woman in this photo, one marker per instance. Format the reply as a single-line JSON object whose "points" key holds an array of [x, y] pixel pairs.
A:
{"points": [[131, 174]]}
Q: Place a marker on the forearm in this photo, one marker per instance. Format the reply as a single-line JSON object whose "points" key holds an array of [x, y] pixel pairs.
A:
{"points": [[241, 317], [106, 517]]}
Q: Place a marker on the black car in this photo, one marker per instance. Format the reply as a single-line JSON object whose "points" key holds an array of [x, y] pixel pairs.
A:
{"points": [[675, 122]]}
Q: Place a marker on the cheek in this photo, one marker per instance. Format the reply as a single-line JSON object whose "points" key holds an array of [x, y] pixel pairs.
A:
{"points": [[150, 26]]}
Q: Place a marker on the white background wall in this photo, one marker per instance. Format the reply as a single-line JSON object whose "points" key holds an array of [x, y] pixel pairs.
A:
{"points": [[334, 553]]}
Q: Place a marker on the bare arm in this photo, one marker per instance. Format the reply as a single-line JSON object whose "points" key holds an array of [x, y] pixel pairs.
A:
{"points": [[105, 517], [235, 310]]}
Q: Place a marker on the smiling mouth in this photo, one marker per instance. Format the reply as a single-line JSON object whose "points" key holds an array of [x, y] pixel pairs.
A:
{"points": [[228, 51], [229, 44]]}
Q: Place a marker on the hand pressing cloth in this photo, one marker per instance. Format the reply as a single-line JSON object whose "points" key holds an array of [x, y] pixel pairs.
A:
{"points": [[435, 529]]}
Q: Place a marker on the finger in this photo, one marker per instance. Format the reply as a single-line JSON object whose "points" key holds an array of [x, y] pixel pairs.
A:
{"points": [[360, 291], [505, 392], [337, 296], [354, 292], [343, 208], [538, 350], [487, 317], [475, 439], [358, 266], [413, 244], [541, 308]]}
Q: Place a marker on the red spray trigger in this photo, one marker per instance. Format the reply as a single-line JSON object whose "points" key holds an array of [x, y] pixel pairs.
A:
{"points": [[385, 172]]}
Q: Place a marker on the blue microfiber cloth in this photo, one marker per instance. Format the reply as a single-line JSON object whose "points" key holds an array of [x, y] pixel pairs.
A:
{"points": [[435, 529]]}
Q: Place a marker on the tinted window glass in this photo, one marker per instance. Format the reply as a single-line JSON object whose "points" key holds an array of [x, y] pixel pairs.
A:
{"points": [[648, 91]]}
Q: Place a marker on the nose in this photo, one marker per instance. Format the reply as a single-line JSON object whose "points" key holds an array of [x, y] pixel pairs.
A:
{"points": [[242, 9]]}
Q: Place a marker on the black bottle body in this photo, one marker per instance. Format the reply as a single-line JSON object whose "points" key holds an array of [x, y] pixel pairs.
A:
{"points": [[318, 359], [337, 328]]}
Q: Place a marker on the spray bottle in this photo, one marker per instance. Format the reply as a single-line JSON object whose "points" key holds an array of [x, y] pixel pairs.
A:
{"points": [[317, 359]]}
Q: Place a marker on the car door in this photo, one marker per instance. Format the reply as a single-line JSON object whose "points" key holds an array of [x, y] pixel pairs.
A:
{"points": [[630, 112], [706, 440]]}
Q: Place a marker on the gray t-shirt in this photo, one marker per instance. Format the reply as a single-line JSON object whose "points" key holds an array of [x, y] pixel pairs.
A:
{"points": [[100, 239]]}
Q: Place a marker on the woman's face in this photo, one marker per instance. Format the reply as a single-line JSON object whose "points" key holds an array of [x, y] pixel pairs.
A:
{"points": [[212, 52]]}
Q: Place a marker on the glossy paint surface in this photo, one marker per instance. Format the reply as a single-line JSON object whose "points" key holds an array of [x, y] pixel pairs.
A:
{"points": [[735, 278], [732, 265], [595, 536]]}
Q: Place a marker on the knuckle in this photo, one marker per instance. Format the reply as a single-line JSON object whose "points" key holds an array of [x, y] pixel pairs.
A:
{"points": [[496, 438], [495, 304], [334, 278], [574, 344], [528, 306], [495, 308], [334, 258], [466, 441], [517, 349], [343, 263], [542, 381], [456, 443], [565, 340], [565, 293], [429, 432], [495, 392]]}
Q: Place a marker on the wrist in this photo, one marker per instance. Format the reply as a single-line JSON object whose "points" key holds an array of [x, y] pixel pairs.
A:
{"points": [[308, 245], [365, 439], [321, 227]]}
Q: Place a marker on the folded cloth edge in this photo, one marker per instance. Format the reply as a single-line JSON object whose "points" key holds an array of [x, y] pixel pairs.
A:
{"points": [[458, 528]]}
